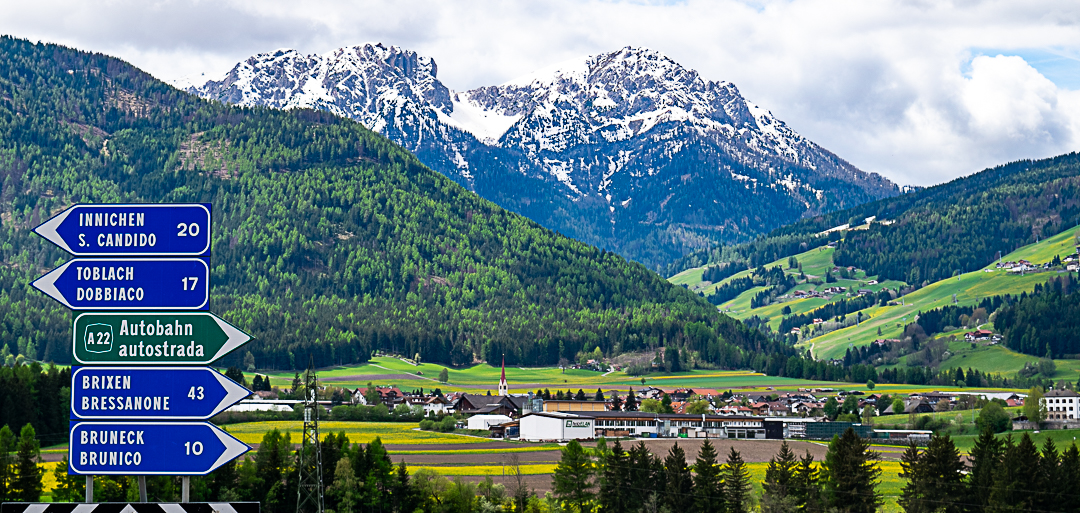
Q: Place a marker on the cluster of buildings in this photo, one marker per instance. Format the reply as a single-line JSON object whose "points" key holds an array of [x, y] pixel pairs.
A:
{"points": [[717, 414], [1070, 263], [982, 336]]}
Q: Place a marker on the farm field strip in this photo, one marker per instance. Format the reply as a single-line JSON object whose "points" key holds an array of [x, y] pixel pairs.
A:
{"points": [[541, 448], [403, 433], [485, 470]]}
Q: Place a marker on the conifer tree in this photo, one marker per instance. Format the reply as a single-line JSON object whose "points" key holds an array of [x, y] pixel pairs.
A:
{"points": [[344, 490], [616, 401], [778, 486], [708, 481], [69, 488], [679, 483], [580, 395], [736, 483], [910, 495], [26, 485], [614, 482], [642, 473], [1054, 491], [7, 462], [599, 397], [631, 401], [402, 493], [985, 458], [572, 479], [935, 477], [807, 489], [1069, 474], [850, 475], [1016, 479]]}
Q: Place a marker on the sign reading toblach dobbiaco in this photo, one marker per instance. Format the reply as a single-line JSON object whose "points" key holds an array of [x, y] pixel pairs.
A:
{"points": [[129, 284]]}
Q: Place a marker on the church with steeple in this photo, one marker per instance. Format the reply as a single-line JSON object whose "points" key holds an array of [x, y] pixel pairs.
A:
{"points": [[504, 388]]}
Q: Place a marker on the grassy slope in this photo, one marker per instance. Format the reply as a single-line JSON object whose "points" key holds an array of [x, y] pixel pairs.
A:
{"points": [[969, 289], [815, 263]]}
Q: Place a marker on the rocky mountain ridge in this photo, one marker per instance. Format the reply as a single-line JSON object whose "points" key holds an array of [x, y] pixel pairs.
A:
{"points": [[627, 150]]}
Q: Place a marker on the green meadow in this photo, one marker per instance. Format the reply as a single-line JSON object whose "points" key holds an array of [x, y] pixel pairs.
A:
{"points": [[968, 288], [483, 378]]}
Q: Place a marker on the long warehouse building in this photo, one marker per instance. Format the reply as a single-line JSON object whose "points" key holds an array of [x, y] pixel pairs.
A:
{"points": [[560, 426]]}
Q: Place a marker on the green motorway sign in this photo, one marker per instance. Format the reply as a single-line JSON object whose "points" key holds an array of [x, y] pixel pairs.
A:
{"points": [[153, 338]]}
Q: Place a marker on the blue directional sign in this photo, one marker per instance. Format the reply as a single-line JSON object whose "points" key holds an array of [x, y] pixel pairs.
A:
{"points": [[129, 284], [139, 393], [131, 230], [150, 448]]}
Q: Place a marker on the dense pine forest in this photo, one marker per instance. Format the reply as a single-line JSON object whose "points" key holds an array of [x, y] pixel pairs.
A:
{"points": [[328, 239], [1046, 322]]}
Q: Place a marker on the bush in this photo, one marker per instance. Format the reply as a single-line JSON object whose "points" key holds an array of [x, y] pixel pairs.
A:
{"points": [[427, 424], [930, 423], [447, 424], [994, 418]]}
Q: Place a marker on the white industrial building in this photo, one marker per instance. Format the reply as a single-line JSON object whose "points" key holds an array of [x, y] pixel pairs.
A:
{"points": [[540, 426], [486, 421]]}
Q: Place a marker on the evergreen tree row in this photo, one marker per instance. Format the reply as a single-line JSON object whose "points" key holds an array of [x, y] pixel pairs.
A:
{"points": [[618, 480]]}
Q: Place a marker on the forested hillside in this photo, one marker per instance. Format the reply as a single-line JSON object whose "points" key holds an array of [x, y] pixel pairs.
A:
{"points": [[328, 239], [933, 233], [962, 225], [1046, 322]]}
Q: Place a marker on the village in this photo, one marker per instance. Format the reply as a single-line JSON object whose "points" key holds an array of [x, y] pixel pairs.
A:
{"points": [[659, 412]]}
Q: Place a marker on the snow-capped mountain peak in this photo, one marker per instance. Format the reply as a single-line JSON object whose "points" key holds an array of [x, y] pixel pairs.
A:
{"points": [[595, 146]]}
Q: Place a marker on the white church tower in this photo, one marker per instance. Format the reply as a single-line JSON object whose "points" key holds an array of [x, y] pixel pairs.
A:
{"points": [[504, 388]]}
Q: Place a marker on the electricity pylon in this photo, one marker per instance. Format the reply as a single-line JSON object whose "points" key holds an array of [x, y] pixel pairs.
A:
{"points": [[309, 497]]}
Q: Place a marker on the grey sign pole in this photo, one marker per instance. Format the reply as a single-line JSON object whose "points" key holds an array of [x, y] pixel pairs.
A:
{"points": [[142, 488], [185, 489], [89, 489]]}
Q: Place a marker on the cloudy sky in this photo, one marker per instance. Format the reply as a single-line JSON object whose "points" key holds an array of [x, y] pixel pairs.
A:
{"points": [[921, 91]]}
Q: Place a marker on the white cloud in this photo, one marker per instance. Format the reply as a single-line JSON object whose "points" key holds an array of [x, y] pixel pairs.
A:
{"points": [[892, 86]]}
